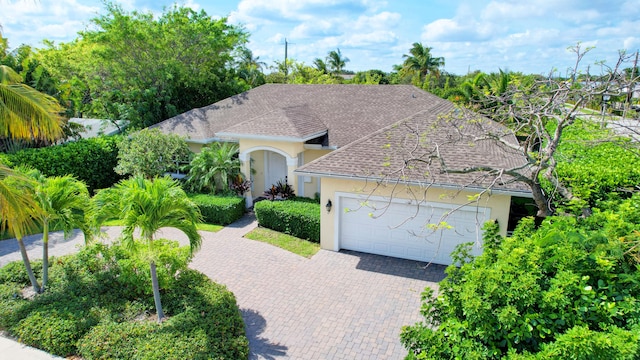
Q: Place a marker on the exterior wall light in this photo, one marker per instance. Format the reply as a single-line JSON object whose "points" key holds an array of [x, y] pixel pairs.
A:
{"points": [[329, 205]]}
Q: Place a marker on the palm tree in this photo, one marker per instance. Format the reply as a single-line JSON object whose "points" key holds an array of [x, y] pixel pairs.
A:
{"points": [[320, 65], [250, 67], [421, 61], [336, 62], [17, 211], [64, 201], [148, 205], [214, 168], [26, 113]]}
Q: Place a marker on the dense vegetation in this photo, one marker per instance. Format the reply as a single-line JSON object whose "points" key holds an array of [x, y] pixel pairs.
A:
{"points": [[294, 217], [568, 289], [98, 307]]}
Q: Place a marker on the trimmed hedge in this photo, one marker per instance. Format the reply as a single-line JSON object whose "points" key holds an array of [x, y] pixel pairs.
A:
{"points": [[83, 313], [299, 219], [219, 210], [90, 160]]}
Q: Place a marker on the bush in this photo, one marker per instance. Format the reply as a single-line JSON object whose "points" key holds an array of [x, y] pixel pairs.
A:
{"points": [[299, 219], [89, 311], [89, 160], [568, 289], [15, 272], [219, 210]]}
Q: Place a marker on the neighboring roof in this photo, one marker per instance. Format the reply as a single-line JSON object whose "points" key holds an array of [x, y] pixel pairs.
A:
{"points": [[346, 112], [97, 127], [412, 150]]}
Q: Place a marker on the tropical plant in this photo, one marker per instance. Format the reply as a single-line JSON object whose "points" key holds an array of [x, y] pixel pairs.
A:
{"points": [[214, 168], [17, 211], [26, 113], [336, 61], [320, 65], [64, 202], [148, 205], [151, 153], [421, 62], [250, 67]]}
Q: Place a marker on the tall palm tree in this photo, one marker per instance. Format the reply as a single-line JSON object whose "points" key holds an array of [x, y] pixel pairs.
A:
{"points": [[336, 61], [26, 113], [17, 211], [249, 67], [148, 205], [64, 201], [421, 62]]}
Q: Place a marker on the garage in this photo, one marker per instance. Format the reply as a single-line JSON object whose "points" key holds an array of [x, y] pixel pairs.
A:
{"points": [[398, 228]]}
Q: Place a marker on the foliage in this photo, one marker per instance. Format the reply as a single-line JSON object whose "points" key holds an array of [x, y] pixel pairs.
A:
{"points": [[287, 242], [214, 168], [281, 190], [26, 113], [595, 164], [568, 289], [221, 210], [84, 314], [336, 62], [144, 68], [421, 62], [88, 160], [299, 219], [64, 202], [151, 153], [146, 206]]}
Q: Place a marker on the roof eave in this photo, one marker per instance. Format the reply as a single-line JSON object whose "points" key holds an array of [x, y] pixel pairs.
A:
{"points": [[272, 137], [518, 193]]}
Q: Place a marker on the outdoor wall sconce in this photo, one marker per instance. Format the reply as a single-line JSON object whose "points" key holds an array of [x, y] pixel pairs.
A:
{"points": [[329, 205]]}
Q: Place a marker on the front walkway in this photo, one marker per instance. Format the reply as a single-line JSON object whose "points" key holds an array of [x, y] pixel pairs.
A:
{"points": [[344, 305]]}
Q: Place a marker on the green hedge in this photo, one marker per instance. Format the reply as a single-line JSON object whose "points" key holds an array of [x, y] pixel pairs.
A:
{"points": [[219, 210], [90, 160], [82, 313], [299, 219]]}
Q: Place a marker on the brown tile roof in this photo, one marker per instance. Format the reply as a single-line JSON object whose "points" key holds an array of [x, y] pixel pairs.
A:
{"points": [[411, 150]]}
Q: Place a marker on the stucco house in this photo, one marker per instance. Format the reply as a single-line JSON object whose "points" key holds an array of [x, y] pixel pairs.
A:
{"points": [[368, 151]]}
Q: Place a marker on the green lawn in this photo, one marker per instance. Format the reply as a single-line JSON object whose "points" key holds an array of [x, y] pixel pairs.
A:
{"points": [[290, 243]]}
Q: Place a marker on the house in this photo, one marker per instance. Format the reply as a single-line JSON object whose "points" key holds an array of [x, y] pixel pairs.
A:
{"points": [[97, 127], [367, 150]]}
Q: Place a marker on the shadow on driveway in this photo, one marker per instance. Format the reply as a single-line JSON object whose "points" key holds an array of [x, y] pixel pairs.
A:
{"points": [[260, 348], [398, 267]]}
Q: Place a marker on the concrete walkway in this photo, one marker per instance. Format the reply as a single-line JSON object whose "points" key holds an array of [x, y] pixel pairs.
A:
{"points": [[337, 305]]}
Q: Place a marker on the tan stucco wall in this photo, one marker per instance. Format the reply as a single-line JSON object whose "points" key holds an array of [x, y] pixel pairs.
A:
{"points": [[310, 188], [499, 204], [196, 148], [258, 185]]}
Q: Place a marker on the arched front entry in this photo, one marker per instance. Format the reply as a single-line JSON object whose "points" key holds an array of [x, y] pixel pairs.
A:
{"points": [[267, 166]]}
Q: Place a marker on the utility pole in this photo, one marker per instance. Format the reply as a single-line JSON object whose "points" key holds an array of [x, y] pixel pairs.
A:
{"points": [[286, 68]]}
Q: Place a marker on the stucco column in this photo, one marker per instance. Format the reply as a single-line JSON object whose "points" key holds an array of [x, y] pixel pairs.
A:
{"points": [[245, 167], [292, 178]]}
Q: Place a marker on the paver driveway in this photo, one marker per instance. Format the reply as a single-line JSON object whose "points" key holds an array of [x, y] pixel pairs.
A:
{"points": [[344, 305]]}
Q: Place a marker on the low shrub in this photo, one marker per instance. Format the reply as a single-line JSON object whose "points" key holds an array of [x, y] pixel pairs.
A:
{"points": [[219, 210], [299, 219], [15, 272], [89, 311]]}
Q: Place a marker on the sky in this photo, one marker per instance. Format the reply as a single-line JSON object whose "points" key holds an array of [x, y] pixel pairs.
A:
{"points": [[530, 36]]}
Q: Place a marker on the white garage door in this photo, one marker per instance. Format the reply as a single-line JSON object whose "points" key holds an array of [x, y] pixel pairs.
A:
{"points": [[394, 229]]}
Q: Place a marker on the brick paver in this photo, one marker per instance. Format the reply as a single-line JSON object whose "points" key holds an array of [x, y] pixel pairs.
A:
{"points": [[336, 305]]}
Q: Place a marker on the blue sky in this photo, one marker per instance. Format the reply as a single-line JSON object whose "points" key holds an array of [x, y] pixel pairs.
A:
{"points": [[531, 36]]}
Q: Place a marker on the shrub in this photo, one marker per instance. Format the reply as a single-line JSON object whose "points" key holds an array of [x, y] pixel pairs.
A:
{"points": [[15, 272], [299, 219], [89, 160], [87, 312], [568, 289], [219, 210]]}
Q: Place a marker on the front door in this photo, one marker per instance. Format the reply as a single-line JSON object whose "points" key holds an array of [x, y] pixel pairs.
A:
{"points": [[276, 169]]}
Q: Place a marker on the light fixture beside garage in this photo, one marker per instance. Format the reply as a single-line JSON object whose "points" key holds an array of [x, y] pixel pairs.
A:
{"points": [[329, 205]]}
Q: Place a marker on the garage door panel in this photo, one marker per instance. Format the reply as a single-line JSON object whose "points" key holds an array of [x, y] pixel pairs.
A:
{"points": [[397, 230]]}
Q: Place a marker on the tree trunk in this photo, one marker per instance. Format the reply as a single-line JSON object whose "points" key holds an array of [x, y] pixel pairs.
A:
{"points": [[540, 200], [156, 291], [27, 265], [45, 255]]}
